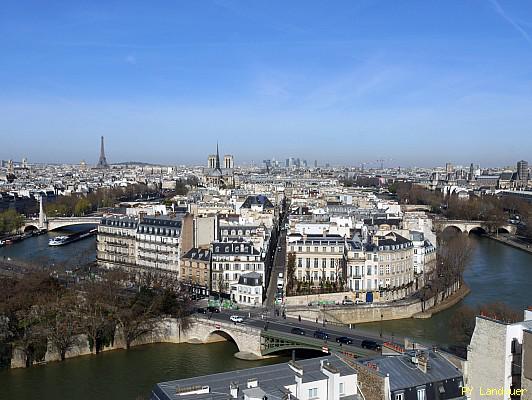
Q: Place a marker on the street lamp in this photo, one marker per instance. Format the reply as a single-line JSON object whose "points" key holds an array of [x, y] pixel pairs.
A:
{"points": [[381, 325]]}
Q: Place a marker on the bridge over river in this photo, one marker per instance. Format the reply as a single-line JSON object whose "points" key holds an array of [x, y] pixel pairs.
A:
{"points": [[255, 341], [465, 226]]}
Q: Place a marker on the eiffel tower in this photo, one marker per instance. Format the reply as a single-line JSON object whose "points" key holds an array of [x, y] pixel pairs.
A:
{"points": [[102, 162]]}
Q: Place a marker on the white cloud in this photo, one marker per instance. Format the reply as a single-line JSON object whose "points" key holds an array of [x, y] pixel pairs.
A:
{"points": [[511, 21]]}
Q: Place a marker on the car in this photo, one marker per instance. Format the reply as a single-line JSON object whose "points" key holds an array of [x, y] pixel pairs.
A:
{"points": [[344, 340], [213, 309], [321, 335], [236, 318], [201, 310], [298, 331], [371, 345], [348, 302], [359, 301]]}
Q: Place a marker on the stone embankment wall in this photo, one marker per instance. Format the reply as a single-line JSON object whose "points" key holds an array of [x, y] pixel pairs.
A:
{"points": [[169, 330], [367, 312]]}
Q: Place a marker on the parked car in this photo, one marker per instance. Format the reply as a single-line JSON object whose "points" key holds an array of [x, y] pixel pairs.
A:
{"points": [[371, 345], [236, 318], [201, 310], [344, 340], [321, 335], [348, 302], [359, 301], [298, 331], [213, 309]]}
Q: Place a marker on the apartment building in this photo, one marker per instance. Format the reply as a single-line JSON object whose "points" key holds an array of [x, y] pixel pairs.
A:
{"points": [[196, 270], [116, 242], [231, 259], [158, 241], [318, 257]]}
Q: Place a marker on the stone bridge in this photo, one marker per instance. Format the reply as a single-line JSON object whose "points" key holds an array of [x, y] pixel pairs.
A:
{"points": [[463, 226], [256, 343], [58, 222]]}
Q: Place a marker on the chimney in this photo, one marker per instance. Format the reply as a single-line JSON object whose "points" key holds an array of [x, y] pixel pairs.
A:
{"points": [[233, 389]]}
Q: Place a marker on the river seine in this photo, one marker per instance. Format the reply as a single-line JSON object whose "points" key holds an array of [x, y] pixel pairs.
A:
{"points": [[496, 273]]}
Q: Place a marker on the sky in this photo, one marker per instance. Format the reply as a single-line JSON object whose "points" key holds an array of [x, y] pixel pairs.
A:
{"points": [[414, 83]]}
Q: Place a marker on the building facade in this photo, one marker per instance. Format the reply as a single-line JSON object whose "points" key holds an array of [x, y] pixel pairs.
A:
{"points": [[230, 260]]}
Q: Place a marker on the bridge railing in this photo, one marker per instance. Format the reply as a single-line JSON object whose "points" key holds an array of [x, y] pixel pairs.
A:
{"points": [[326, 346]]}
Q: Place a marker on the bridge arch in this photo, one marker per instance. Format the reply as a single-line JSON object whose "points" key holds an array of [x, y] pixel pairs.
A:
{"points": [[30, 228], [452, 229], [52, 226], [218, 335], [298, 347], [478, 230], [502, 229]]}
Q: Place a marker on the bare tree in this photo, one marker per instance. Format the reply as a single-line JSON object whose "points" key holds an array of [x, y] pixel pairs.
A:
{"points": [[137, 315], [452, 259], [462, 322], [62, 322], [291, 273]]}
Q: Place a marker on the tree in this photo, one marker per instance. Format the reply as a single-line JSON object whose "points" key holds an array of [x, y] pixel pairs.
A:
{"points": [[61, 322], [97, 314], [181, 188], [82, 207], [462, 323], [452, 258], [10, 221], [137, 315], [290, 273]]}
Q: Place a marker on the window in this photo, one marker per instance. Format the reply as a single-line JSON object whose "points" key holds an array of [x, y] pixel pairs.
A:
{"points": [[313, 393], [341, 389], [421, 394], [399, 396]]}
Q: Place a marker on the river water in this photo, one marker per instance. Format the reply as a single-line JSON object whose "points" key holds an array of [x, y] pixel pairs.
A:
{"points": [[496, 273]]}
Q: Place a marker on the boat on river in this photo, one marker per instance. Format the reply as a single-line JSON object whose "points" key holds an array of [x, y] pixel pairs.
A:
{"points": [[62, 240]]}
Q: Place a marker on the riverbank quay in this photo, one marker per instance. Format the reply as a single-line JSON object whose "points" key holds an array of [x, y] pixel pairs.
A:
{"points": [[508, 240], [372, 312], [448, 302], [198, 330]]}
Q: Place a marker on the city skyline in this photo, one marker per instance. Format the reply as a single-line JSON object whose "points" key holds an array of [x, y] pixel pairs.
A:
{"points": [[419, 84]]}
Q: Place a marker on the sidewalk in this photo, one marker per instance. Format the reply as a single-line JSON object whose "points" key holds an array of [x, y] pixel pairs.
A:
{"points": [[511, 242]]}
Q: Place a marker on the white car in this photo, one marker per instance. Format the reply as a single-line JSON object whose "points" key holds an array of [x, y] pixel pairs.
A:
{"points": [[236, 318]]}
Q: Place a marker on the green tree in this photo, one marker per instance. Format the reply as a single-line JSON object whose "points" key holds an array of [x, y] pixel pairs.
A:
{"points": [[10, 221], [82, 207]]}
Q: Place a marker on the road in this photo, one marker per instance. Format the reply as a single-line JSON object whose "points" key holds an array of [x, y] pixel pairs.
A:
{"points": [[279, 265], [255, 319]]}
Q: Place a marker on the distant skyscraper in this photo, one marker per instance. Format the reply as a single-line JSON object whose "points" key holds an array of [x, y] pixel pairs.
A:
{"points": [[522, 172], [449, 168], [102, 162], [315, 163]]}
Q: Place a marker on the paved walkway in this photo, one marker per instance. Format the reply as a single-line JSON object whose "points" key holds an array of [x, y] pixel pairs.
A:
{"points": [[513, 241]]}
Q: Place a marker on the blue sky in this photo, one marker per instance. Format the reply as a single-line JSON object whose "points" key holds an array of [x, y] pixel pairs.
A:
{"points": [[414, 83]]}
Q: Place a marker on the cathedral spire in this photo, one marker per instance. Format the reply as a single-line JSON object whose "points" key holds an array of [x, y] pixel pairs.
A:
{"points": [[217, 157]]}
